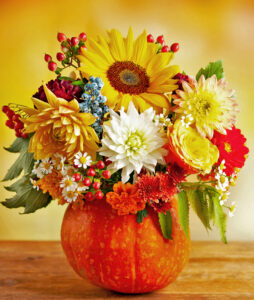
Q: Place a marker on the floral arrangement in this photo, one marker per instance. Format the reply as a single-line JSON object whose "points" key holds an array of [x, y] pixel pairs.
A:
{"points": [[127, 127]]}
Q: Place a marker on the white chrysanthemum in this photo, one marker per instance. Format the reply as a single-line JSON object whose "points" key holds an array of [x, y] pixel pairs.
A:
{"points": [[133, 141], [58, 161], [69, 195], [82, 160], [68, 183], [210, 104]]}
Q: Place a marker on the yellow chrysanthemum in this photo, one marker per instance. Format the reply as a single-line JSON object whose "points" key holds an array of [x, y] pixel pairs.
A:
{"points": [[131, 70], [197, 152], [208, 104], [59, 128]]}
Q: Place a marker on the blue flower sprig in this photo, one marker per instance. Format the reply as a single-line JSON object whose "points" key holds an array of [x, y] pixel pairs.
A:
{"points": [[94, 102]]}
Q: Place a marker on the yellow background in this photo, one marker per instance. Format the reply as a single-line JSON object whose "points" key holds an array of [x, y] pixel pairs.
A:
{"points": [[206, 31]]}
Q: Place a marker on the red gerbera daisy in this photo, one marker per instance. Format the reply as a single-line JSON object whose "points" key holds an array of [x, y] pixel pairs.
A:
{"points": [[232, 149]]}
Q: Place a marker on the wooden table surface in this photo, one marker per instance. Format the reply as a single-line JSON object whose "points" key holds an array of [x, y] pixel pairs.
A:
{"points": [[39, 270]]}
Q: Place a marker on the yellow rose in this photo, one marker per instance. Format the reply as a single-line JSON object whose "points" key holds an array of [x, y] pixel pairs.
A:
{"points": [[199, 153]]}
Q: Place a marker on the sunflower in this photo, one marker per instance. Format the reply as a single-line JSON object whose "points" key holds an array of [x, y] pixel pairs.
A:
{"points": [[59, 127], [131, 71]]}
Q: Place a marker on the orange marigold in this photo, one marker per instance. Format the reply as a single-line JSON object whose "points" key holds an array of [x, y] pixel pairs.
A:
{"points": [[50, 183], [125, 199]]}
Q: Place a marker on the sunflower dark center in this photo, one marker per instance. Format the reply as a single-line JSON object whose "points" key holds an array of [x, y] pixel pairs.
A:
{"points": [[128, 78]]}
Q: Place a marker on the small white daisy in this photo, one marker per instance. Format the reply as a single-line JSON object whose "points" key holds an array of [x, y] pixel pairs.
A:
{"points": [[223, 197], [37, 170], [34, 184], [69, 196], [58, 161], [82, 160], [222, 181], [68, 171], [232, 209], [46, 166], [81, 187], [187, 120], [68, 183]]}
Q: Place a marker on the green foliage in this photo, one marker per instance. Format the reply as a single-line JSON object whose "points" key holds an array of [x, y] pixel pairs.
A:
{"points": [[24, 162], [183, 211], [199, 203], [165, 221], [26, 196], [205, 202], [141, 215], [213, 68]]}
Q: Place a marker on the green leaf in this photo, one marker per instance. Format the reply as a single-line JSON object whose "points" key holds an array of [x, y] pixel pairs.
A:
{"points": [[24, 162], [220, 218], [141, 215], [213, 68], [78, 82], [26, 196], [66, 78], [199, 203], [183, 211], [165, 221]]}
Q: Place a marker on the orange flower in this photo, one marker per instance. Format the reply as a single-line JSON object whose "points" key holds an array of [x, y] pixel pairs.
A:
{"points": [[51, 184], [125, 199]]}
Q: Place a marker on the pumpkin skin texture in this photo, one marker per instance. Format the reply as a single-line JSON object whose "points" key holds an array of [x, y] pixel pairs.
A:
{"points": [[117, 253]]}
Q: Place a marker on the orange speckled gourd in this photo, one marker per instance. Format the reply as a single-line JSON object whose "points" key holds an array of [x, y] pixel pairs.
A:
{"points": [[117, 253]]}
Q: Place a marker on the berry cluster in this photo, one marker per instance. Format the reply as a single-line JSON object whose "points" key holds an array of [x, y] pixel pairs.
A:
{"points": [[14, 122], [94, 102], [70, 49], [181, 78], [92, 179], [163, 48]]}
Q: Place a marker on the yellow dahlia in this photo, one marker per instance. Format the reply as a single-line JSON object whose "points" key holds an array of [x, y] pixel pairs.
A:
{"points": [[197, 152], [131, 70], [59, 128], [208, 104]]}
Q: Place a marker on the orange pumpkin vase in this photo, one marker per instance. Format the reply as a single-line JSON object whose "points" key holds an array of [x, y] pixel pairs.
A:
{"points": [[119, 254]]}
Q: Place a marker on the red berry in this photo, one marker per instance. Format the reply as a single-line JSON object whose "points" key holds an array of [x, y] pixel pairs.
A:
{"points": [[160, 39], [52, 66], [75, 166], [18, 133], [150, 38], [74, 41], [47, 58], [87, 182], [10, 113], [82, 37], [77, 176], [10, 124], [174, 47], [98, 195], [82, 47], [89, 196], [5, 109], [19, 125], [16, 118], [24, 135], [96, 185], [100, 164], [165, 49], [60, 56], [106, 174], [91, 172], [61, 37], [108, 162]]}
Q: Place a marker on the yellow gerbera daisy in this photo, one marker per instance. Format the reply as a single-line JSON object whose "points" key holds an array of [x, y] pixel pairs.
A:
{"points": [[131, 70], [208, 104], [59, 127]]}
